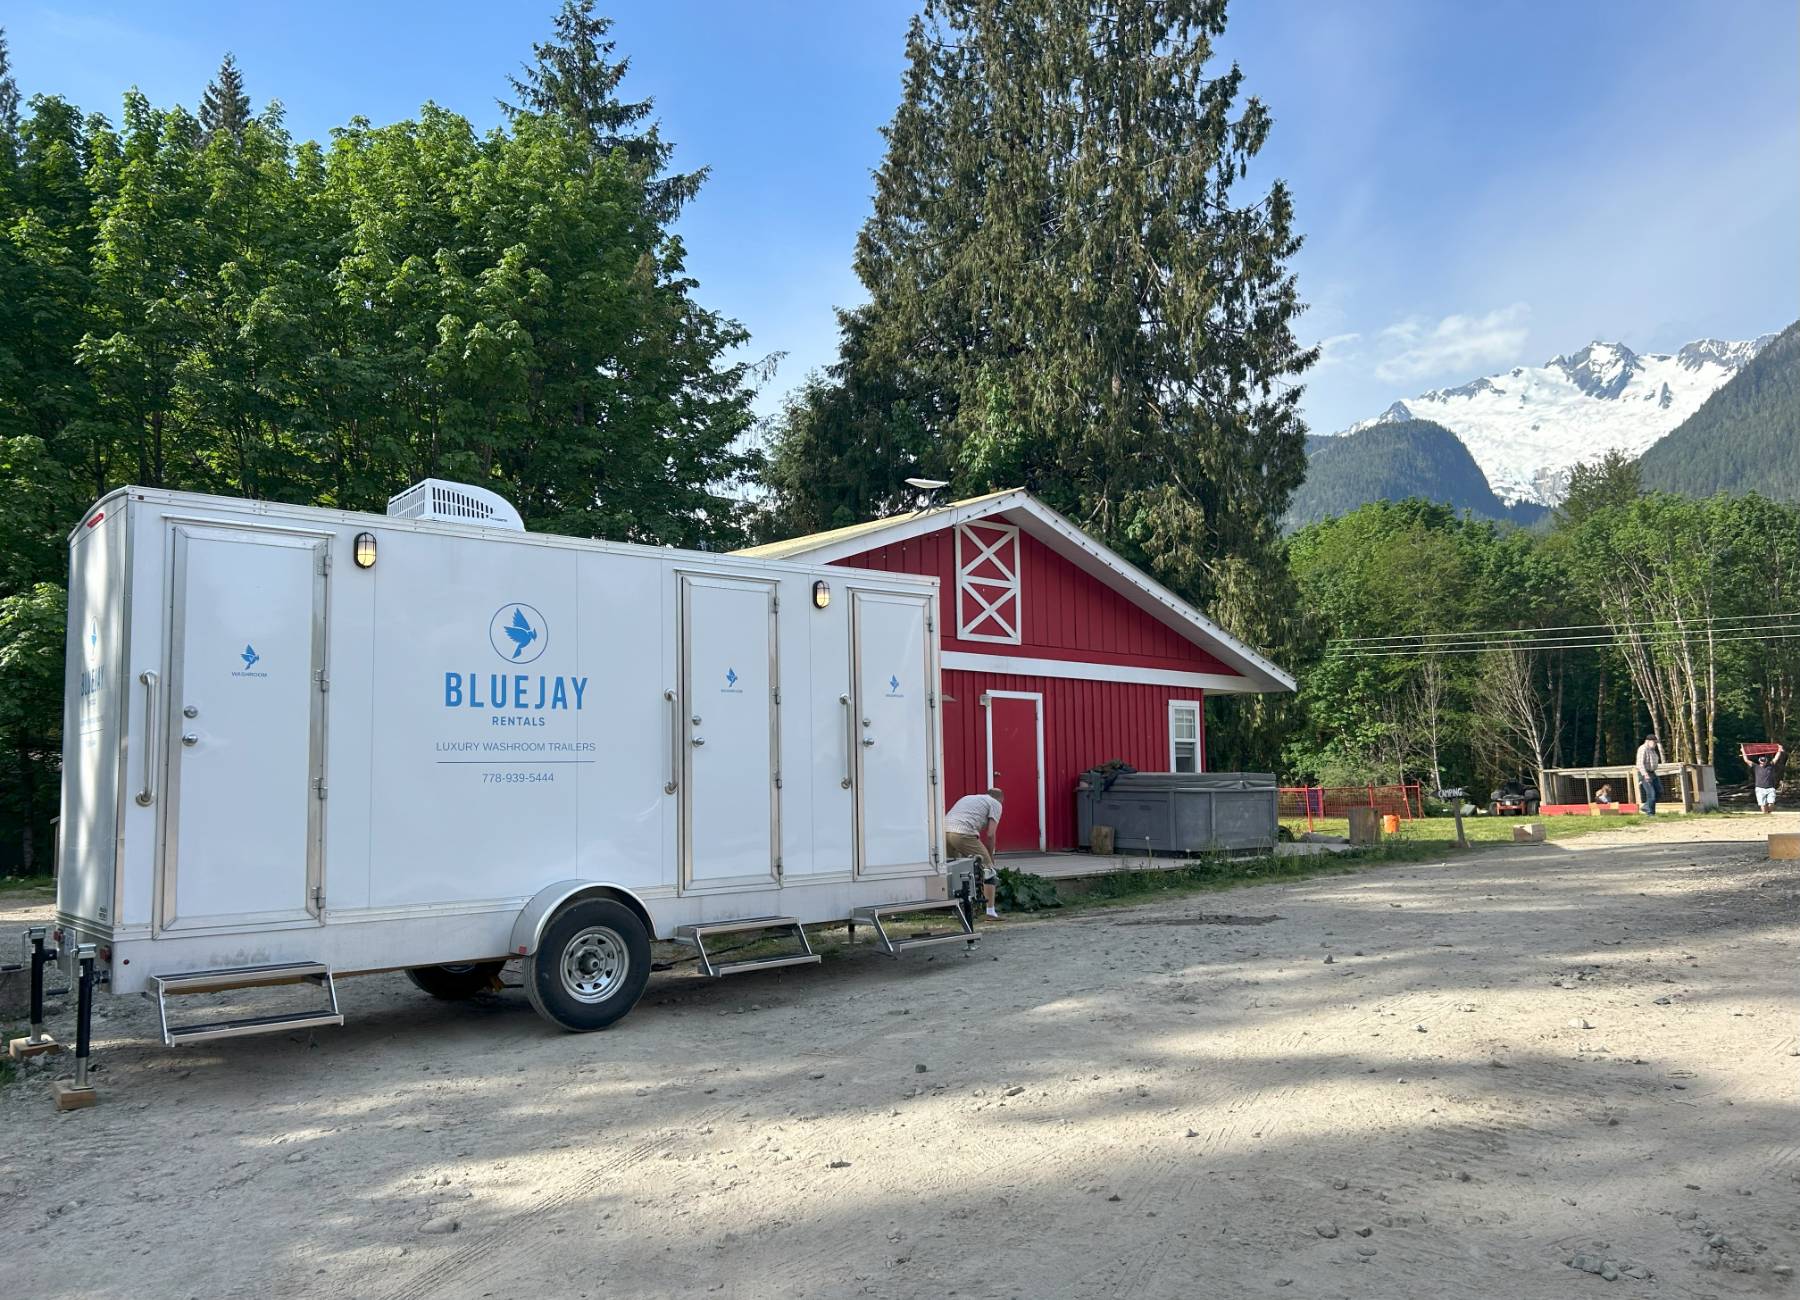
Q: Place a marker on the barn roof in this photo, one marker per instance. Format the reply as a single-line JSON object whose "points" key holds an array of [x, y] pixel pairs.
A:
{"points": [[1017, 506]]}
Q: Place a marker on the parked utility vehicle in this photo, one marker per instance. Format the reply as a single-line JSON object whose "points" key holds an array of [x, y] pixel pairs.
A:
{"points": [[306, 743]]}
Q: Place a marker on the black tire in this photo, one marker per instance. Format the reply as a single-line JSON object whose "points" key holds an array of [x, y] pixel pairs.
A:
{"points": [[1494, 809], [1531, 807], [455, 983], [591, 965]]}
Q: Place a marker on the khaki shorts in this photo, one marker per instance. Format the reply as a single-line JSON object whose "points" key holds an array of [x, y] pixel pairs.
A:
{"points": [[958, 845]]}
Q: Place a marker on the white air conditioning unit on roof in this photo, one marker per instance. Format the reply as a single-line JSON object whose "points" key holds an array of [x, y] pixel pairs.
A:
{"points": [[455, 503]]}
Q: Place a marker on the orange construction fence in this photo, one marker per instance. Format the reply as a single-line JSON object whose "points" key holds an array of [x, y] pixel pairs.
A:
{"points": [[1405, 800]]}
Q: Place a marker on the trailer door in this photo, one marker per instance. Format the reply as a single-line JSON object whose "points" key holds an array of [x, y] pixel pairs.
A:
{"points": [[730, 809], [244, 727], [892, 677]]}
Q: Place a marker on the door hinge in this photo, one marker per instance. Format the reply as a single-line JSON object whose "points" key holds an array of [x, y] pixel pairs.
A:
{"points": [[778, 780], [934, 776], [318, 895], [325, 563], [932, 697], [778, 868], [930, 623], [776, 692], [324, 681], [319, 785], [775, 603]]}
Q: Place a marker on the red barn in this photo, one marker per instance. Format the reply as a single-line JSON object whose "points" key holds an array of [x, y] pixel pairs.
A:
{"points": [[1058, 654]]}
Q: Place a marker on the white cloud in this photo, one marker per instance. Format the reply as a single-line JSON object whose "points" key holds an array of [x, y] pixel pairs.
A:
{"points": [[1338, 348], [1457, 345]]}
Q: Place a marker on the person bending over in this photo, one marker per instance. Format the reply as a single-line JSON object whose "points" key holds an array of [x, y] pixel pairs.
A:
{"points": [[969, 819]]}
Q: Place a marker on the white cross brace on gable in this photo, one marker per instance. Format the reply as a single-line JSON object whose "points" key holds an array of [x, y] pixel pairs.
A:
{"points": [[987, 603]]}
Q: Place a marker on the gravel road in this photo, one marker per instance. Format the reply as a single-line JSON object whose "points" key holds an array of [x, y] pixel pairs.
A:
{"points": [[1538, 1071]]}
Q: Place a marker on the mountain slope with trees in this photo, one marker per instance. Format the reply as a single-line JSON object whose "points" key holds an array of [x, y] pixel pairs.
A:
{"points": [[1392, 461], [1746, 437]]}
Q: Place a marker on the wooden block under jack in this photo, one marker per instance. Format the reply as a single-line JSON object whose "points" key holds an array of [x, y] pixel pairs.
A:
{"points": [[1532, 834], [1784, 846], [70, 1097], [20, 1048]]}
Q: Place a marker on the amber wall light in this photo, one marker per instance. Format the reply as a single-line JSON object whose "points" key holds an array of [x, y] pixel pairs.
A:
{"points": [[365, 551]]}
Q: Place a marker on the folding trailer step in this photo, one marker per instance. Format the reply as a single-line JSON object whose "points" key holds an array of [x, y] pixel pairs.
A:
{"points": [[879, 914], [244, 977], [696, 936]]}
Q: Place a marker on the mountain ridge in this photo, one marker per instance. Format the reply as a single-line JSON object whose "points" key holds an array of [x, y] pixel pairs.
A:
{"points": [[1528, 426]]}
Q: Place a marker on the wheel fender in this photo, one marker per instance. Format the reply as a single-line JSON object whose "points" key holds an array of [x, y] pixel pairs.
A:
{"points": [[528, 927]]}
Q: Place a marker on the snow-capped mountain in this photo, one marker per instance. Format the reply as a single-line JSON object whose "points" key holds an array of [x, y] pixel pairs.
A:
{"points": [[1528, 427]]}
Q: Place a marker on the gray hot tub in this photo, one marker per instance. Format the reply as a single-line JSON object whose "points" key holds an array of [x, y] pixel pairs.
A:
{"points": [[1179, 812]]}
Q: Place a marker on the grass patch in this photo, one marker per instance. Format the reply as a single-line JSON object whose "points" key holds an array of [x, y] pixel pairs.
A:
{"points": [[1440, 832]]}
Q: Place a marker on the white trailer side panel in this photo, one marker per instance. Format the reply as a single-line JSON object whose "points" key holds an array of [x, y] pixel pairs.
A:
{"points": [[96, 697]]}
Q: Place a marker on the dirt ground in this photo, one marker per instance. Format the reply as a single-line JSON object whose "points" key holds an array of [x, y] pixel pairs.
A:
{"points": [[1436, 1080]]}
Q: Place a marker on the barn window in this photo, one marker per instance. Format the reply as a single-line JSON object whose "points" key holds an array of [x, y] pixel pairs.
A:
{"points": [[1184, 735], [987, 582]]}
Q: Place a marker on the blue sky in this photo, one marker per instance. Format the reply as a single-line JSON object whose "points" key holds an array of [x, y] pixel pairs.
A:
{"points": [[1480, 184]]}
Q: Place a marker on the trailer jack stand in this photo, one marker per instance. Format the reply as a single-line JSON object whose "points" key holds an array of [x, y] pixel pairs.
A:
{"points": [[38, 1042], [80, 1093]]}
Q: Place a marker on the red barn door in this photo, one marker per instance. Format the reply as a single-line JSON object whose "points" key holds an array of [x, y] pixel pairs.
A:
{"points": [[1016, 764]]}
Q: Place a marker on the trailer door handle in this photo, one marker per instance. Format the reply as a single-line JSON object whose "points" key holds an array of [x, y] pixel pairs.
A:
{"points": [[849, 735], [674, 744], [147, 795]]}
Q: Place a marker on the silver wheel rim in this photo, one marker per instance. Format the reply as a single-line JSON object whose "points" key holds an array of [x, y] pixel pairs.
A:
{"points": [[594, 964]]}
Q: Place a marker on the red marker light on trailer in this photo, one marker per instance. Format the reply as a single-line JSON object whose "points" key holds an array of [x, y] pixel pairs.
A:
{"points": [[98, 516]]}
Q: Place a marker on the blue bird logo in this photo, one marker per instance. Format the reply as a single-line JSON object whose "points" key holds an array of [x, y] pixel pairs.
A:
{"points": [[893, 685], [520, 632], [249, 656], [731, 677]]}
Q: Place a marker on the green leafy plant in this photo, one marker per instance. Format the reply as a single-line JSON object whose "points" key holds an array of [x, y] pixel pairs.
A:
{"points": [[1020, 891]]}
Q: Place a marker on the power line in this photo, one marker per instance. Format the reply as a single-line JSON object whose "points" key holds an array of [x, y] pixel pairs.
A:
{"points": [[1527, 638], [1596, 643], [1709, 621]]}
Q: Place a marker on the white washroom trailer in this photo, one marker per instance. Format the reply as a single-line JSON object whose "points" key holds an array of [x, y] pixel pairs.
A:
{"points": [[304, 743]]}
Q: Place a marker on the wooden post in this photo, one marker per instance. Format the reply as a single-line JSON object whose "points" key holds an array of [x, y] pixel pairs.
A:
{"points": [[1365, 825], [1461, 840]]}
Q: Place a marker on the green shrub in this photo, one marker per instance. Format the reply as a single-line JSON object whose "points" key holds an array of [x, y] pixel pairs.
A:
{"points": [[1020, 891]]}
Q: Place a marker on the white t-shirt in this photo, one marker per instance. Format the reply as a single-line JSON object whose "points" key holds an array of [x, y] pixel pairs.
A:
{"points": [[970, 814]]}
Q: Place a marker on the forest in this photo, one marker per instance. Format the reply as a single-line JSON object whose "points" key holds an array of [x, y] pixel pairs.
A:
{"points": [[195, 300], [1640, 611]]}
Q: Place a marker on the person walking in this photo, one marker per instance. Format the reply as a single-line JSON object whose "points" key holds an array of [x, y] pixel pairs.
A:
{"points": [[1764, 773], [969, 819], [1649, 758]]}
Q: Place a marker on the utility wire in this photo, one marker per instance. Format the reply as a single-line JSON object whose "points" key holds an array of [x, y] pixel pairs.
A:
{"points": [[1711, 620], [1527, 637], [1554, 644]]}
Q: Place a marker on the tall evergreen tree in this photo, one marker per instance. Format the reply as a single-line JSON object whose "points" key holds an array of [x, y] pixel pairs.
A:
{"points": [[576, 77], [1059, 255], [9, 111], [225, 108]]}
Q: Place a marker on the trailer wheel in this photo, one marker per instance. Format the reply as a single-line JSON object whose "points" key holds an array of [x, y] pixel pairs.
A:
{"points": [[1531, 807], [455, 983], [591, 965]]}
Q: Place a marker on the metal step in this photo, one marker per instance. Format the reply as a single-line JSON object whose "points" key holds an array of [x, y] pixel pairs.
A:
{"points": [[877, 915], [227, 978], [695, 937], [249, 1025]]}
